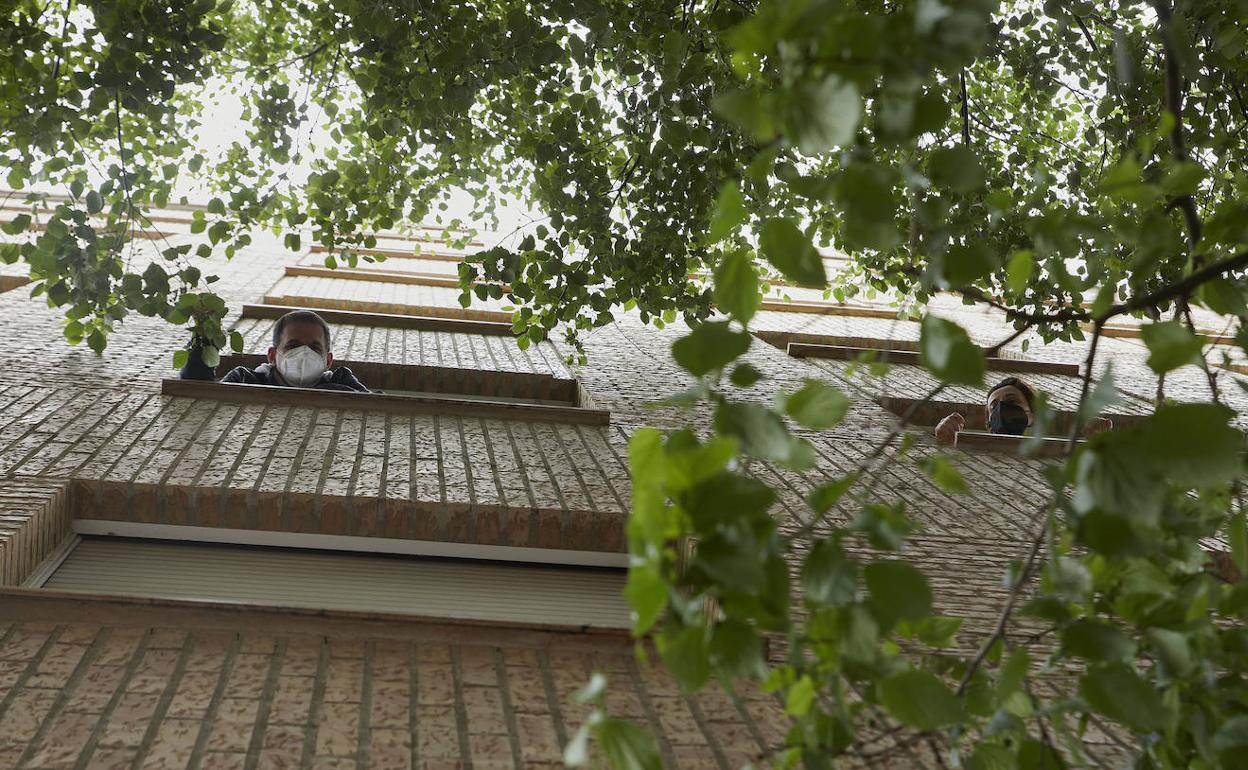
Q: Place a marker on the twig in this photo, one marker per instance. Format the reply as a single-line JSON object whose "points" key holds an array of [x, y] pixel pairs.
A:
{"points": [[1174, 104], [1086, 33], [966, 110]]}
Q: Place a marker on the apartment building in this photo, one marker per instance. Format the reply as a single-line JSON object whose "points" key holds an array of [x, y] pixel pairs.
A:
{"points": [[198, 575]]}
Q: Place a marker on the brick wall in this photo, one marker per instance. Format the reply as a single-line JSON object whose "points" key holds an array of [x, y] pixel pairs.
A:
{"points": [[136, 691], [84, 695]]}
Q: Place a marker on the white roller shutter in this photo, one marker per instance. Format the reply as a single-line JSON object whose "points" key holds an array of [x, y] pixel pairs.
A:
{"points": [[565, 596]]}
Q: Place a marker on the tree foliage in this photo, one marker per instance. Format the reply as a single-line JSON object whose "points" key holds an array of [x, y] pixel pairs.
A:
{"points": [[1066, 162]]}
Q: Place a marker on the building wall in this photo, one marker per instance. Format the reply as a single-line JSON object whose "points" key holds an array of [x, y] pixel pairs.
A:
{"points": [[85, 687]]}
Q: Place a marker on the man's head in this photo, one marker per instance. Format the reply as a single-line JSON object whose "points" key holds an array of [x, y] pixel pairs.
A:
{"points": [[300, 350], [1010, 407]]}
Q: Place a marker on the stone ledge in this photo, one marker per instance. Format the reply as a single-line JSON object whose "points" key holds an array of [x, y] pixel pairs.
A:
{"points": [[10, 282], [380, 276], [927, 414], [1132, 331], [387, 320], [358, 516], [1045, 446], [452, 381], [782, 340], [996, 363], [382, 402], [33, 604], [393, 308], [828, 308]]}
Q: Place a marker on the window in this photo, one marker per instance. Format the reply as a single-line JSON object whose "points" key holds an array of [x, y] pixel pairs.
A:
{"points": [[549, 595], [415, 364]]}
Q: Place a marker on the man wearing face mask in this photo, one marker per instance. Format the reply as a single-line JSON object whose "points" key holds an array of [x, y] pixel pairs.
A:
{"points": [[1008, 411], [299, 358]]}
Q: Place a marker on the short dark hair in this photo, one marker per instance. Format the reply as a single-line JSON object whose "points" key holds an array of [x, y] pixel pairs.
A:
{"points": [[305, 316], [1029, 393]]}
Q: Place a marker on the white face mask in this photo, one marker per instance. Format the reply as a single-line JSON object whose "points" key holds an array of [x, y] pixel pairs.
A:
{"points": [[301, 366]]}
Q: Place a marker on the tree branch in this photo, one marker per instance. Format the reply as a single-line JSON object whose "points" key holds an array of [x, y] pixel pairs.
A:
{"points": [[966, 110], [1174, 104]]}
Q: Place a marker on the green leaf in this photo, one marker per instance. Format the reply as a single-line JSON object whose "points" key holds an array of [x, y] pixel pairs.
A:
{"points": [[236, 342], [726, 496], [737, 650], [95, 203], [1183, 178], [1170, 345], [748, 108], [964, 264], [826, 495], [1237, 539], [817, 405], [1012, 673], [745, 374], [899, 591], [938, 630], [824, 116], [1095, 640], [760, 433], [947, 351], [627, 746], [1224, 297], [790, 251], [829, 577], [921, 700], [711, 345], [210, 355], [800, 698], [1120, 694], [940, 469], [1193, 444], [1036, 755], [180, 357], [96, 341], [991, 756], [17, 225], [956, 168], [646, 592], [1231, 740], [684, 651], [292, 241], [860, 635], [736, 286], [729, 213], [1173, 649]]}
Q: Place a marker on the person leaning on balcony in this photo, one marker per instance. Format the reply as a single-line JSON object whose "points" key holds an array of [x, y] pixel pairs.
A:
{"points": [[299, 358], [1007, 411]]}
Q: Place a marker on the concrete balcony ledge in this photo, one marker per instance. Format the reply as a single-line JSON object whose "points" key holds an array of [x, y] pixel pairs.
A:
{"points": [[385, 320], [383, 402], [996, 363], [979, 441]]}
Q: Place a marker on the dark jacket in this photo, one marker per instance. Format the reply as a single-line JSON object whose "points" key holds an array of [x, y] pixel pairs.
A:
{"points": [[336, 379]]}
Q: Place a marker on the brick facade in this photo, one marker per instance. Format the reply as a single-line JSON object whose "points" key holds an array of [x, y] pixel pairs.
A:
{"points": [[85, 683]]}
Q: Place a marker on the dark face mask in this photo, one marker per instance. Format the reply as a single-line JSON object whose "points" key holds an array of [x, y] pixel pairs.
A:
{"points": [[1010, 419]]}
